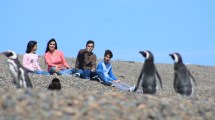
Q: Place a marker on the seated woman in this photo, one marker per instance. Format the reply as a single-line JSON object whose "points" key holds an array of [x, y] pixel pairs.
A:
{"points": [[104, 71], [30, 59], [55, 60]]}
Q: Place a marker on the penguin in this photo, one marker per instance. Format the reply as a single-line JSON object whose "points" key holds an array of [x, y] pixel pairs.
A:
{"points": [[182, 76], [17, 71], [149, 74], [55, 84]]}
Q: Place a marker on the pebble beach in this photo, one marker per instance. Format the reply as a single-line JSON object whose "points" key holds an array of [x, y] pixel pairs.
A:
{"points": [[82, 99]]}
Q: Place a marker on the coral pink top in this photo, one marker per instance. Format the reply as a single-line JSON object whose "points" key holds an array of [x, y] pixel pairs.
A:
{"points": [[30, 62], [55, 59]]}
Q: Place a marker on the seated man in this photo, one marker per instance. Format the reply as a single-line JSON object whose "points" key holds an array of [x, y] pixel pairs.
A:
{"points": [[104, 71], [86, 61]]}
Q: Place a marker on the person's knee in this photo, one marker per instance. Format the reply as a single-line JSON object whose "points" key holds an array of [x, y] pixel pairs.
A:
{"points": [[67, 71], [38, 72], [81, 72], [98, 71], [52, 70]]}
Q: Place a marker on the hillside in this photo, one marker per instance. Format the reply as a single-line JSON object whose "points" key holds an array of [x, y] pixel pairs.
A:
{"points": [[85, 99]]}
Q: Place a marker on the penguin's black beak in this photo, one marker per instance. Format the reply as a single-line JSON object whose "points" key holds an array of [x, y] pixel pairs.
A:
{"points": [[6, 53], [172, 56], [143, 53]]}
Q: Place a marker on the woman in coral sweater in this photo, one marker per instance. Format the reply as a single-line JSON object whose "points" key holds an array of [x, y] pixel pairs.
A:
{"points": [[55, 60]]}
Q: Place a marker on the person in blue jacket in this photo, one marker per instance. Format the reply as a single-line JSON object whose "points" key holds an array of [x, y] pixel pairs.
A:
{"points": [[105, 73]]}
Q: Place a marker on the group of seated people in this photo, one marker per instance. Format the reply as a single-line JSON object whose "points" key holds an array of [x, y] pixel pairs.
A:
{"points": [[85, 65]]}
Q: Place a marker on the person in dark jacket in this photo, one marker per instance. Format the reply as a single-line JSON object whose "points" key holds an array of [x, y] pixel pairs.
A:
{"points": [[86, 61]]}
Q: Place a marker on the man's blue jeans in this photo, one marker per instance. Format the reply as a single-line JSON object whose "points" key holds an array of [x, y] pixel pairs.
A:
{"points": [[86, 73]]}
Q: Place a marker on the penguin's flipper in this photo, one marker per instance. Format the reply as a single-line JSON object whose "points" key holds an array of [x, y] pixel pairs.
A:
{"points": [[192, 79], [14, 81], [25, 79], [159, 78], [28, 83], [139, 79]]}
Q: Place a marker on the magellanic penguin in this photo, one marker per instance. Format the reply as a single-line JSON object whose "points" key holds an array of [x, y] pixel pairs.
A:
{"points": [[17, 71], [55, 84], [182, 76], [149, 74]]}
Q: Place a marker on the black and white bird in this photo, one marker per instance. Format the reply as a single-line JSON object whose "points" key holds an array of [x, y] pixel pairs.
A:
{"points": [[149, 74], [55, 84], [17, 71], [182, 77]]}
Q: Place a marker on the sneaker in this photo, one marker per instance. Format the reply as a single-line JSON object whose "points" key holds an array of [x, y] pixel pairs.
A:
{"points": [[76, 74], [99, 80], [96, 78], [131, 89], [55, 74]]}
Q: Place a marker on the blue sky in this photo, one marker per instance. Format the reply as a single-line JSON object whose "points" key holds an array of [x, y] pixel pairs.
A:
{"points": [[123, 26]]}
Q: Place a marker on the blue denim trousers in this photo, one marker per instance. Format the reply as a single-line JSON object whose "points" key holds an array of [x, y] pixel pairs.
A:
{"points": [[85, 73], [62, 71], [41, 72]]}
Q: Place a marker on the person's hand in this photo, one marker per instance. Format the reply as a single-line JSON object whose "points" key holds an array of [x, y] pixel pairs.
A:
{"points": [[116, 81], [57, 69], [84, 51], [93, 69], [69, 67]]}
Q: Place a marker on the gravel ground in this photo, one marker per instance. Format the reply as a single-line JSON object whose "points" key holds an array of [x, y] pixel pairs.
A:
{"points": [[85, 99]]}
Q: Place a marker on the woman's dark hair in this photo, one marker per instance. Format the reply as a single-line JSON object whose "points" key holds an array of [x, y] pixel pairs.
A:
{"points": [[90, 41], [30, 45], [51, 40], [108, 52]]}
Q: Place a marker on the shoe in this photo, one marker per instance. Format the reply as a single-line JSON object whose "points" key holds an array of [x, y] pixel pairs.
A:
{"points": [[131, 89], [141, 91], [96, 78], [76, 75], [55, 74], [99, 80]]}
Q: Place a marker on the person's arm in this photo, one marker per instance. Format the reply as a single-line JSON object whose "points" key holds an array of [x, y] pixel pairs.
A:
{"points": [[77, 59], [80, 58], [48, 61], [99, 66], [111, 75], [37, 62], [27, 63], [63, 60], [94, 63], [100, 72]]}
